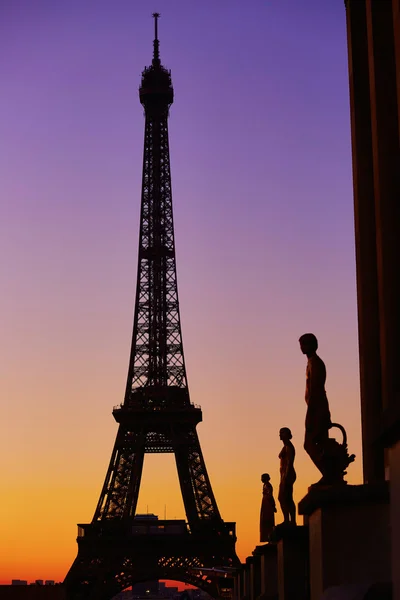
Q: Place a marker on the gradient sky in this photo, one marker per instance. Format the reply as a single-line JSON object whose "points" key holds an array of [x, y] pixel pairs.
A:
{"points": [[262, 189]]}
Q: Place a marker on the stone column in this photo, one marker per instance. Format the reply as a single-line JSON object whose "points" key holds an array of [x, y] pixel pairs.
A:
{"points": [[365, 241], [384, 53], [386, 163], [396, 28], [374, 69]]}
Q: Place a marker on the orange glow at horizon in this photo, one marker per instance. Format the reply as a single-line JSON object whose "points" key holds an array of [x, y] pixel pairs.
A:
{"points": [[50, 516]]}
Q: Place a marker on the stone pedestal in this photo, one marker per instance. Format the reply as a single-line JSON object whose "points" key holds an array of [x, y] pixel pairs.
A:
{"points": [[268, 572], [247, 579], [293, 564], [255, 574], [238, 584], [349, 536]]}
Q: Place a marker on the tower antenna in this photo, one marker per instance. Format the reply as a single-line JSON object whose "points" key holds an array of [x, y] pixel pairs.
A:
{"points": [[156, 43]]}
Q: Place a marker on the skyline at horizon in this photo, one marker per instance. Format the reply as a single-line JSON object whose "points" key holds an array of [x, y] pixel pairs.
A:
{"points": [[265, 250]]}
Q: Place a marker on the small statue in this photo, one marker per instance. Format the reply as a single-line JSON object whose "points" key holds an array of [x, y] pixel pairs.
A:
{"points": [[268, 509], [288, 477], [330, 457]]}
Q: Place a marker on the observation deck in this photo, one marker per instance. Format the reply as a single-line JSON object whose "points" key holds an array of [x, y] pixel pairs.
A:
{"points": [[157, 530], [156, 405]]}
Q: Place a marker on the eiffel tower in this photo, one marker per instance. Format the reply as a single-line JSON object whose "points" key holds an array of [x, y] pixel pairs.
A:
{"points": [[118, 549]]}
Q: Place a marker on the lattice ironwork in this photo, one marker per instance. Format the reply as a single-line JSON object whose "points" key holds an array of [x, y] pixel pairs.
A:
{"points": [[112, 558], [156, 359], [104, 578], [156, 415], [157, 354]]}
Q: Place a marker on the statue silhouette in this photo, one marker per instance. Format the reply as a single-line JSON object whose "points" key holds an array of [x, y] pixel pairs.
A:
{"points": [[288, 477], [330, 457], [268, 509]]}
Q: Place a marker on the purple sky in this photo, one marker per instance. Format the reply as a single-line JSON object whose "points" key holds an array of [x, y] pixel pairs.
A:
{"points": [[261, 172]]}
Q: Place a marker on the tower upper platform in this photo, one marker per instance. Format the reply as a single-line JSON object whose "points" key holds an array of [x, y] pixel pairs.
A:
{"points": [[156, 91]]}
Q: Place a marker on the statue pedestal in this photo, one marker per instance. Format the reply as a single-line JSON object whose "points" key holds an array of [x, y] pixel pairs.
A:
{"points": [[293, 566], [247, 579], [349, 535], [238, 585], [268, 571], [255, 574]]}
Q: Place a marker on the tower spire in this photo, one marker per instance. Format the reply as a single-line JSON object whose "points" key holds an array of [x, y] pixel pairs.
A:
{"points": [[156, 52]]}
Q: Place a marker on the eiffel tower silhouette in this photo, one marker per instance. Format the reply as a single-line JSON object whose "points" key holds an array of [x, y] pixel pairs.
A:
{"points": [[117, 549]]}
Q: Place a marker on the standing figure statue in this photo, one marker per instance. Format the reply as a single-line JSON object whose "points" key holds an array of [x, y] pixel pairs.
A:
{"points": [[268, 509], [288, 477], [330, 457]]}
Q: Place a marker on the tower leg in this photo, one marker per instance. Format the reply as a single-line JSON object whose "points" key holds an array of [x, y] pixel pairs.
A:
{"points": [[121, 486], [195, 485]]}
